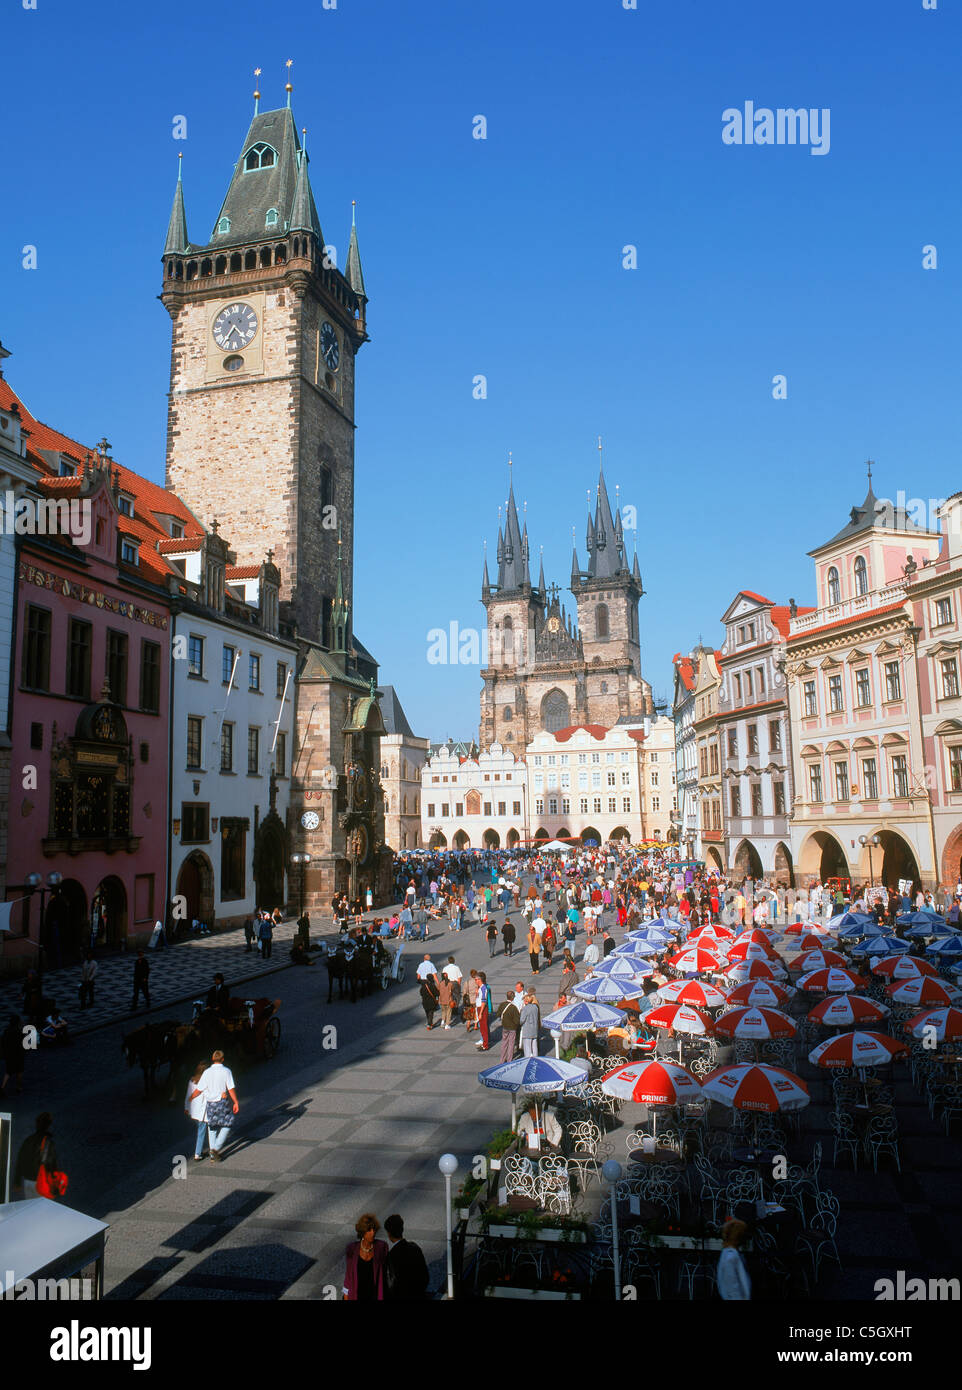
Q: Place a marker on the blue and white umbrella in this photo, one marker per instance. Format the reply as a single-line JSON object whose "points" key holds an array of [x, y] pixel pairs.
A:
{"points": [[649, 938], [575, 1017], [669, 924], [605, 989], [880, 946], [624, 967], [924, 917], [639, 948], [537, 1076], [930, 927], [851, 919], [856, 929], [946, 946]]}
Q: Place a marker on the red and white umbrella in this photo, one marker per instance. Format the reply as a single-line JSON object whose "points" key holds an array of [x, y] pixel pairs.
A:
{"points": [[923, 991], [757, 936], [812, 928], [744, 970], [757, 1087], [833, 980], [761, 993], [652, 1083], [818, 960], [756, 1024], [696, 992], [694, 959], [811, 941], [680, 1018], [752, 950], [856, 1049], [712, 932], [903, 968], [844, 1010], [947, 1023]]}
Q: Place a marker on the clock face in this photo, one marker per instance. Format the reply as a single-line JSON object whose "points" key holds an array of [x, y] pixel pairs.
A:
{"points": [[310, 820], [329, 348], [234, 327]]}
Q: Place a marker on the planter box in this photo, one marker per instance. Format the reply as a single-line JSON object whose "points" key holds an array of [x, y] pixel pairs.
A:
{"points": [[549, 1234], [545, 1295]]}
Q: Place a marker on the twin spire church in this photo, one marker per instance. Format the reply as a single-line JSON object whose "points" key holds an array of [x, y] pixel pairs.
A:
{"points": [[546, 669]]}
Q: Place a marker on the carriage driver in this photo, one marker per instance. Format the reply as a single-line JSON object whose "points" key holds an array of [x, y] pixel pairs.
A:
{"points": [[218, 996]]}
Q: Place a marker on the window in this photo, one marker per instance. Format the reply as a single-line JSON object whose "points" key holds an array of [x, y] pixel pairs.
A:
{"points": [[446, 810], [861, 575], [653, 756], [253, 750], [841, 781], [760, 674], [656, 803], [834, 592], [775, 735], [753, 738], [612, 805], [736, 801], [232, 858], [943, 611], [502, 808], [79, 644], [596, 804], [811, 704], [117, 665], [227, 664], [583, 781], [955, 768], [733, 743], [756, 799], [487, 808], [227, 748], [195, 740], [609, 757], [259, 157], [712, 758], [835, 698], [900, 775], [254, 672], [583, 805], [626, 803], [281, 679], [612, 779], [893, 681], [280, 755], [223, 226], [195, 656], [144, 898], [150, 677], [36, 735], [125, 505], [516, 808], [869, 779], [749, 687], [539, 806], [582, 759], [431, 809], [270, 219], [596, 757], [950, 678], [67, 470], [738, 690], [715, 815], [815, 783], [565, 806], [36, 649], [595, 780], [194, 823], [129, 551], [863, 689], [653, 778], [703, 761], [779, 790], [601, 621]]}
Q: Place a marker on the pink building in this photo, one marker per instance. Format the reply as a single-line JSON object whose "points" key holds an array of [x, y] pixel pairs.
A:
{"points": [[90, 691]]}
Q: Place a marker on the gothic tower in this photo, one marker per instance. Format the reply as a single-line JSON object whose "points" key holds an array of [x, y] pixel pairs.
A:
{"points": [[266, 329]]}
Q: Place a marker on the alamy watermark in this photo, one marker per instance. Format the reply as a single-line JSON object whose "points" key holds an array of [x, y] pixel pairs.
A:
{"points": [[47, 516], [785, 125]]}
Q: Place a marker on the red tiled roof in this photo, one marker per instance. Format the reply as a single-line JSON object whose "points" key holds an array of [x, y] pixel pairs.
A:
{"points": [[597, 731], [150, 500], [243, 571], [843, 622], [685, 670], [782, 616], [638, 734], [174, 544], [757, 597]]}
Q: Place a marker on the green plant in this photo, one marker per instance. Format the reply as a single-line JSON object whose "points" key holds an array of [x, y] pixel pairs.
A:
{"points": [[499, 1142], [467, 1192]]}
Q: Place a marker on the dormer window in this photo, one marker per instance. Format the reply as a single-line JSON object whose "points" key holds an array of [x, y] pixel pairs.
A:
{"points": [[125, 504], [67, 470], [259, 157], [129, 551], [223, 226], [271, 219], [176, 530]]}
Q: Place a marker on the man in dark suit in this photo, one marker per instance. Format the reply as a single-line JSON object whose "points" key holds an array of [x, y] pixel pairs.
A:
{"points": [[218, 996], [407, 1270]]}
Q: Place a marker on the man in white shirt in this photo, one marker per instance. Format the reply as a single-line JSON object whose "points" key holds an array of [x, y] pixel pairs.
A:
{"points": [[539, 1131], [519, 995], [592, 953], [451, 971], [216, 1084], [426, 970]]}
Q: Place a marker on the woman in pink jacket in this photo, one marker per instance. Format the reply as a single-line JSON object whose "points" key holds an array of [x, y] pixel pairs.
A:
{"points": [[365, 1264]]}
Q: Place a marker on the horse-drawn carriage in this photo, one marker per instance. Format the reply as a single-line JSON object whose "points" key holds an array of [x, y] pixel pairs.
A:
{"points": [[252, 1024], [362, 966], [249, 1028]]}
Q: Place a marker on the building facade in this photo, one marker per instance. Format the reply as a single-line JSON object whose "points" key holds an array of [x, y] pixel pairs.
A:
{"points": [[708, 789], [685, 827], [548, 669], [474, 803], [755, 738], [403, 755]]}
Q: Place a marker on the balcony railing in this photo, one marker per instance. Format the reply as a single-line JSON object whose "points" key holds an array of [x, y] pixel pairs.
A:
{"points": [[862, 605]]}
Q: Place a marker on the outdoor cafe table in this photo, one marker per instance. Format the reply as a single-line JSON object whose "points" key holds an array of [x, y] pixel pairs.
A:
{"points": [[659, 1156]]}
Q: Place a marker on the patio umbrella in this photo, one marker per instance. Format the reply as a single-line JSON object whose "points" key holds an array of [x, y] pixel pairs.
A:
{"points": [[923, 918], [945, 946], [811, 941], [752, 950], [695, 992], [658, 939], [947, 1023], [834, 980], [531, 1075], [713, 932], [817, 960], [654, 1083], [850, 919], [756, 1024], [668, 924], [694, 959], [844, 1010], [930, 927], [881, 946], [623, 967], [756, 1087], [813, 929], [680, 1018], [856, 1049], [760, 936], [765, 993], [583, 1016], [604, 989], [744, 970], [637, 948], [903, 967], [923, 990], [857, 929]]}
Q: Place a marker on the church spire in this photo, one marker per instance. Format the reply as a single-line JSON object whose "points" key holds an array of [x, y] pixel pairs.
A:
{"points": [[513, 565], [354, 275], [177, 226], [542, 590], [485, 581], [304, 216], [339, 610]]}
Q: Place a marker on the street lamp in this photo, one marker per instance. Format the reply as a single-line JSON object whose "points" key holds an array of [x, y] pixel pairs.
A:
{"points": [[303, 860], [611, 1171], [34, 882], [869, 841], [448, 1165]]}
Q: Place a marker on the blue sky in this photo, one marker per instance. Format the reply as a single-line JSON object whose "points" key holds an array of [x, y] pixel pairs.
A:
{"points": [[503, 257]]}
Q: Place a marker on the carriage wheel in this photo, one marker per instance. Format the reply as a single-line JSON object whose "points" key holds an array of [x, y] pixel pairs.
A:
{"points": [[272, 1037], [385, 977], [400, 973]]}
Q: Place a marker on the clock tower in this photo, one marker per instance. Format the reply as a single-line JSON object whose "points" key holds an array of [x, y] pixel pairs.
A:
{"points": [[266, 330], [260, 438]]}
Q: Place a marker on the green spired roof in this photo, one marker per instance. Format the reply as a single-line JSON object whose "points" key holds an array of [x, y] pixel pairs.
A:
{"points": [[177, 226], [283, 185]]}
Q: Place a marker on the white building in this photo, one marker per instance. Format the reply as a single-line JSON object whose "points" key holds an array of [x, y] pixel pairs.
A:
{"points": [[473, 803], [403, 755], [231, 739]]}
